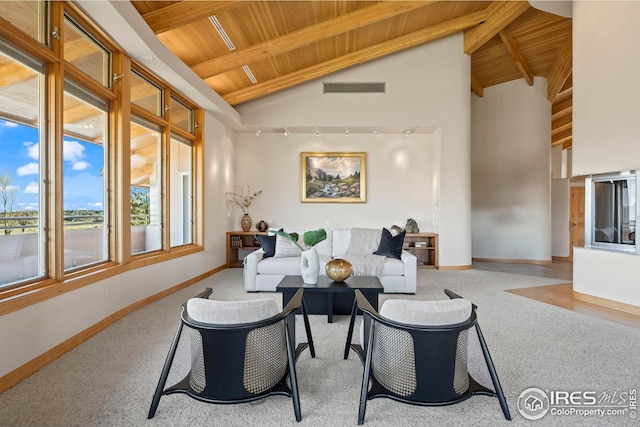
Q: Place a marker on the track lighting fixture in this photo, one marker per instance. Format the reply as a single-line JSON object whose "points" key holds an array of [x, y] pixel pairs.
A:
{"points": [[286, 131]]}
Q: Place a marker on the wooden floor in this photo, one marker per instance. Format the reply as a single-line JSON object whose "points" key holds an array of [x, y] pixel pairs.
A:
{"points": [[559, 295]]}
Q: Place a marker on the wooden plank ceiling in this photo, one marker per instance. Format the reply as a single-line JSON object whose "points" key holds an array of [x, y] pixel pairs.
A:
{"points": [[285, 43]]}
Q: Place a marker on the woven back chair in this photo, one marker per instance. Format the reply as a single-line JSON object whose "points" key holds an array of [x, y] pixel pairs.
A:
{"points": [[421, 360], [240, 351]]}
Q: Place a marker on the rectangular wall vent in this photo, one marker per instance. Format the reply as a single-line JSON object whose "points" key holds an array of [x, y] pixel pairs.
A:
{"points": [[374, 87]]}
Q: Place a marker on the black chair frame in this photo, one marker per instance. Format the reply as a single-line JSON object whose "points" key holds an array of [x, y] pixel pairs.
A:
{"points": [[227, 366], [435, 368]]}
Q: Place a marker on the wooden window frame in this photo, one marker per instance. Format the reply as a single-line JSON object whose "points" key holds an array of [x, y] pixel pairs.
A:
{"points": [[57, 282]]}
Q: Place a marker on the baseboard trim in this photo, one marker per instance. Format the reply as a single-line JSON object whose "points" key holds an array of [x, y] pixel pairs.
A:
{"points": [[455, 267], [560, 258], [604, 302], [25, 371], [514, 261]]}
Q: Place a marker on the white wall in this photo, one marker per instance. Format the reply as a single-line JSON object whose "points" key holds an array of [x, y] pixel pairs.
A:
{"points": [[29, 332], [427, 86], [398, 170], [606, 90], [510, 171]]}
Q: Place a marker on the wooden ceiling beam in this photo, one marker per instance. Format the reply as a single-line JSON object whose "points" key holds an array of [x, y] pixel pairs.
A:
{"points": [[185, 12], [372, 52], [499, 15], [305, 36], [561, 129], [563, 142], [560, 113], [560, 70], [476, 86], [516, 54]]}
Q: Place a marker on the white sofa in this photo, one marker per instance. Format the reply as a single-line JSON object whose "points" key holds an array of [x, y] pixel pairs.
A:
{"points": [[264, 274]]}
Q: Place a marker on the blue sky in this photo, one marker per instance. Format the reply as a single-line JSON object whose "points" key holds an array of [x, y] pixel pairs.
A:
{"points": [[83, 162]]}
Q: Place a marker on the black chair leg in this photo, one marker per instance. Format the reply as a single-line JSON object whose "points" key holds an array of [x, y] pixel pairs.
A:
{"points": [[165, 372], [293, 377], [365, 379], [347, 346], [493, 373], [307, 329]]}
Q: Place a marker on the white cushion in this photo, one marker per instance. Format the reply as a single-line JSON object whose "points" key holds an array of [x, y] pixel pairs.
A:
{"points": [[231, 312], [286, 248], [427, 313], [341, 237], [393, 267]]}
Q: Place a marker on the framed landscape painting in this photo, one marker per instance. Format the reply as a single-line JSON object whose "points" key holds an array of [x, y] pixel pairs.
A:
{"points": [[333, 177]]}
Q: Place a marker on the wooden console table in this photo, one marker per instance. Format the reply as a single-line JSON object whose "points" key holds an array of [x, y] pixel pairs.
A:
{"points": [[239, 242]]}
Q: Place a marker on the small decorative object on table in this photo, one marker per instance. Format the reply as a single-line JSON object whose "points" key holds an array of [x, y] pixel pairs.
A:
{"points": [[262, 226], [244, 201], [338, 269], [412, 226], [395, 230], [245, 222]]}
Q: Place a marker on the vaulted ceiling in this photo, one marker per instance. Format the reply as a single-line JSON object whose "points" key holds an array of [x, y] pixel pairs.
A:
{"points": [[273, 45]]}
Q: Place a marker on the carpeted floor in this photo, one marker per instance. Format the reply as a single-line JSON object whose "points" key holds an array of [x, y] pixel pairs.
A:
{"points": [[109, 380]]}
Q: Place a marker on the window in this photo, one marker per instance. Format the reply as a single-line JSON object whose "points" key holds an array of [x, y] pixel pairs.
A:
{"points": [[21, 180], [84, 178], [180, 177], [85, 53], [611, 212], [28, 16], [145, 94], [73, 153], [181, 116], [146, 187]]}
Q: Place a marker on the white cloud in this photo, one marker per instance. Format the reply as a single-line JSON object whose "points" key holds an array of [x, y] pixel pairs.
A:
{"points": [[28, 169], [8, 124], [13, 188], [32, 188], [81, 165], [33, 149], [72, 151], [95, 205]]}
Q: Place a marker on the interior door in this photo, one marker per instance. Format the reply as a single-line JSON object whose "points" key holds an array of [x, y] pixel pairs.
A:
{"points": [[577, 219]]}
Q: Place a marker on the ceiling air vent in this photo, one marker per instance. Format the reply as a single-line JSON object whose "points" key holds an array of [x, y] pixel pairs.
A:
{"points": [[375, 87]]}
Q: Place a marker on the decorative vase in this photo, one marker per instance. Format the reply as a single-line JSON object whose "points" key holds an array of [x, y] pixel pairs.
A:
{"points": [[338, 269], [245, 222], [262, 226], [310, 266]]}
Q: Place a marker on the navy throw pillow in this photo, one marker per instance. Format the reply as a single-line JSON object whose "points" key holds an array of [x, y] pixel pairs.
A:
{"points": [[268, 244], [390, 246]]}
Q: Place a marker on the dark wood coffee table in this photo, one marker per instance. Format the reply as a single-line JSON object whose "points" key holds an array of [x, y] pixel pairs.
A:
{"points": [[329, 297]]}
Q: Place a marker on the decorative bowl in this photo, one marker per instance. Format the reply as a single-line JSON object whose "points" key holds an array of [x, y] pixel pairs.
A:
{"points": [[338, 269]]}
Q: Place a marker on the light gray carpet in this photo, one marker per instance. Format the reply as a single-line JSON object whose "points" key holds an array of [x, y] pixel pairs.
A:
{"points": [[110, 379]]}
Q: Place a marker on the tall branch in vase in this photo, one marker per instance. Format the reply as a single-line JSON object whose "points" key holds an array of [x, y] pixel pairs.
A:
{"points": [[243, 200]]}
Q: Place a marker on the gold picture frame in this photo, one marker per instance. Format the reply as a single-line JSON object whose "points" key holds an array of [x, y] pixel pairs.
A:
{"points": [[333, 177]]}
